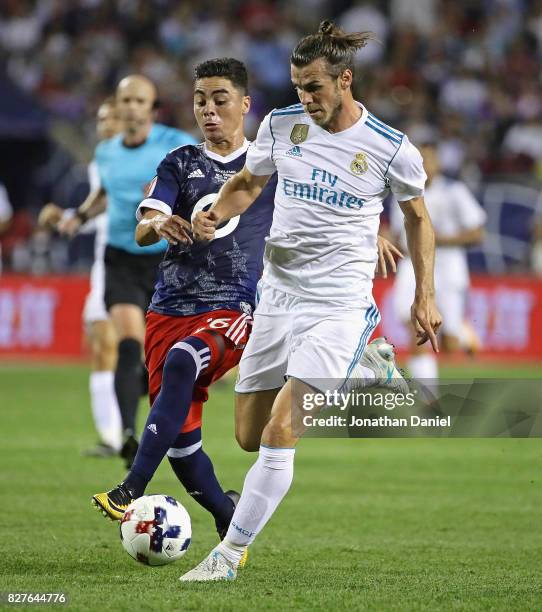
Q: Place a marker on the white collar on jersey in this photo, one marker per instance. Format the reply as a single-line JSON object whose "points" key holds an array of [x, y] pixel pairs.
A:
{"points": [[364, 113], [227, 158]]}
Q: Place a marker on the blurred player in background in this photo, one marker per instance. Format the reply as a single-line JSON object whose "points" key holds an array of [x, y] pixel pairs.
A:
{"points": [[126, 164], [458, 220], [99, 329], [335, 164]]}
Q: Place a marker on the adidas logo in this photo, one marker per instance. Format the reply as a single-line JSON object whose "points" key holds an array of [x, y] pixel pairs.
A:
{"points": [[295, 152], [196, 174], [152, 427]]}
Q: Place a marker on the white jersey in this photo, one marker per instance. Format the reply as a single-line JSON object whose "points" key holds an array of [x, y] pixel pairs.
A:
{"points": [[322, 243], [452, 209], [99, 223]]}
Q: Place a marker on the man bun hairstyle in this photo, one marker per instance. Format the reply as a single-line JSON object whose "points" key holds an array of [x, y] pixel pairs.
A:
{"points": [[332, 44], [226, 67]]}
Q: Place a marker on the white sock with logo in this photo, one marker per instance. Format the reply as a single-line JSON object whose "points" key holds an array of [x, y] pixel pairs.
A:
{"points": [[423, 367], [266, 484], [105, 409]]}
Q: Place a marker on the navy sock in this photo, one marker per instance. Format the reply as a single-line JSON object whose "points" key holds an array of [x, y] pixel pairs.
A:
{"points": [[128, 381], [169, 410], [196, 473], [144, 380]]}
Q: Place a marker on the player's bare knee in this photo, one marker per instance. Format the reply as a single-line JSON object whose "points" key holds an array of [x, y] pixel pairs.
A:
{"points": [[278, 432], [107, 353], [252, 412], [246, 440]]}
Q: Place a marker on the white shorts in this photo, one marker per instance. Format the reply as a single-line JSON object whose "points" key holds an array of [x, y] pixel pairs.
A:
{"points": [[308, 340], [450, 300], [94, 309]]}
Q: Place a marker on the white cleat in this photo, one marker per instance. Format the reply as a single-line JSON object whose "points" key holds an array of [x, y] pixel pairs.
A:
{"points": [[213, 567], [379, 356]]}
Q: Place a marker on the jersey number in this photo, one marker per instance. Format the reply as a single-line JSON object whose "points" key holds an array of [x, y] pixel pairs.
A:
{"points": [[205, 203], [215, 324]]}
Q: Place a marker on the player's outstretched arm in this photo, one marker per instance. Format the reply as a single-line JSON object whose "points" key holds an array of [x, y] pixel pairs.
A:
{"points": [[94, 204], [155, 225], [421, 245], [235, 196]]}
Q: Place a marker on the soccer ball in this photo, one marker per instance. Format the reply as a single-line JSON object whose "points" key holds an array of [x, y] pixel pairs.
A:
{"points": [[155, 530]]}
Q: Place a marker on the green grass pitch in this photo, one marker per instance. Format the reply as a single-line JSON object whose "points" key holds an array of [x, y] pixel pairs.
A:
{"points": [[368, 524]]}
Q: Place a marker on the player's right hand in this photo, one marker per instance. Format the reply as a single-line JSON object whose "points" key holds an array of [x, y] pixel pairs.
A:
{"points": [[204, 225], [426, 320], [50, 216], [173, 228]]}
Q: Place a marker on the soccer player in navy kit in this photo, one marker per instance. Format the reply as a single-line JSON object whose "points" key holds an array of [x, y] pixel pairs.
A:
{"points": [[200, 315]]}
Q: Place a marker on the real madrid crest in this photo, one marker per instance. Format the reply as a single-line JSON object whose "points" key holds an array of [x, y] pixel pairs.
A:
{"points": [[299, 133], [359, 164]]}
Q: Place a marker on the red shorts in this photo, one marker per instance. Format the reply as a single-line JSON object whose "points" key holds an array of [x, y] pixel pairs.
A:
{"points": [[163, 331]]}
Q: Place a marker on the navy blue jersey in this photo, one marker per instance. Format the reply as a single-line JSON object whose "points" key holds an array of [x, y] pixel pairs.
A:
{"points": [[213, 275]]}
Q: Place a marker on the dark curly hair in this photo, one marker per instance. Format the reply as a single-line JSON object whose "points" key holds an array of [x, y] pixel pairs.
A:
{"points": [[226, 67]]}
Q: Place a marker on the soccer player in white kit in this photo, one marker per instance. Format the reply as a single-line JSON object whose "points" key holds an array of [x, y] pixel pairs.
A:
{"points": [[458, 220], [98, 327], [335, 162]]}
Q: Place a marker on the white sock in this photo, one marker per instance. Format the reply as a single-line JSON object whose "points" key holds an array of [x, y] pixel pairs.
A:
{"points": [[232, 552], [266, 483], [105, 409], [424, 367]]}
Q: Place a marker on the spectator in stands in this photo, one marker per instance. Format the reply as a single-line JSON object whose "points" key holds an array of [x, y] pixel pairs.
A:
{"points": [[469, 70]]}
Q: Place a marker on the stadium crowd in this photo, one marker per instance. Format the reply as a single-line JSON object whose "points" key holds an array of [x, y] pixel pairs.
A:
{"points": [[466, 73]]}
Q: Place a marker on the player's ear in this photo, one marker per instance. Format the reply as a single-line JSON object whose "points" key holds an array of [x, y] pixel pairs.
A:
{"points": [[245, 105], [345, 79]]}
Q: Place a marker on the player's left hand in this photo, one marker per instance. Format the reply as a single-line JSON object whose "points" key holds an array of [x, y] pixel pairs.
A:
{"points": [[386, 256], [426, 320], [173, 228]]}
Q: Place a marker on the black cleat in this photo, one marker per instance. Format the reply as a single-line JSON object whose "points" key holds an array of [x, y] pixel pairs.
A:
{"points": [[129, 450], [235, 497], [114, 503]]}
